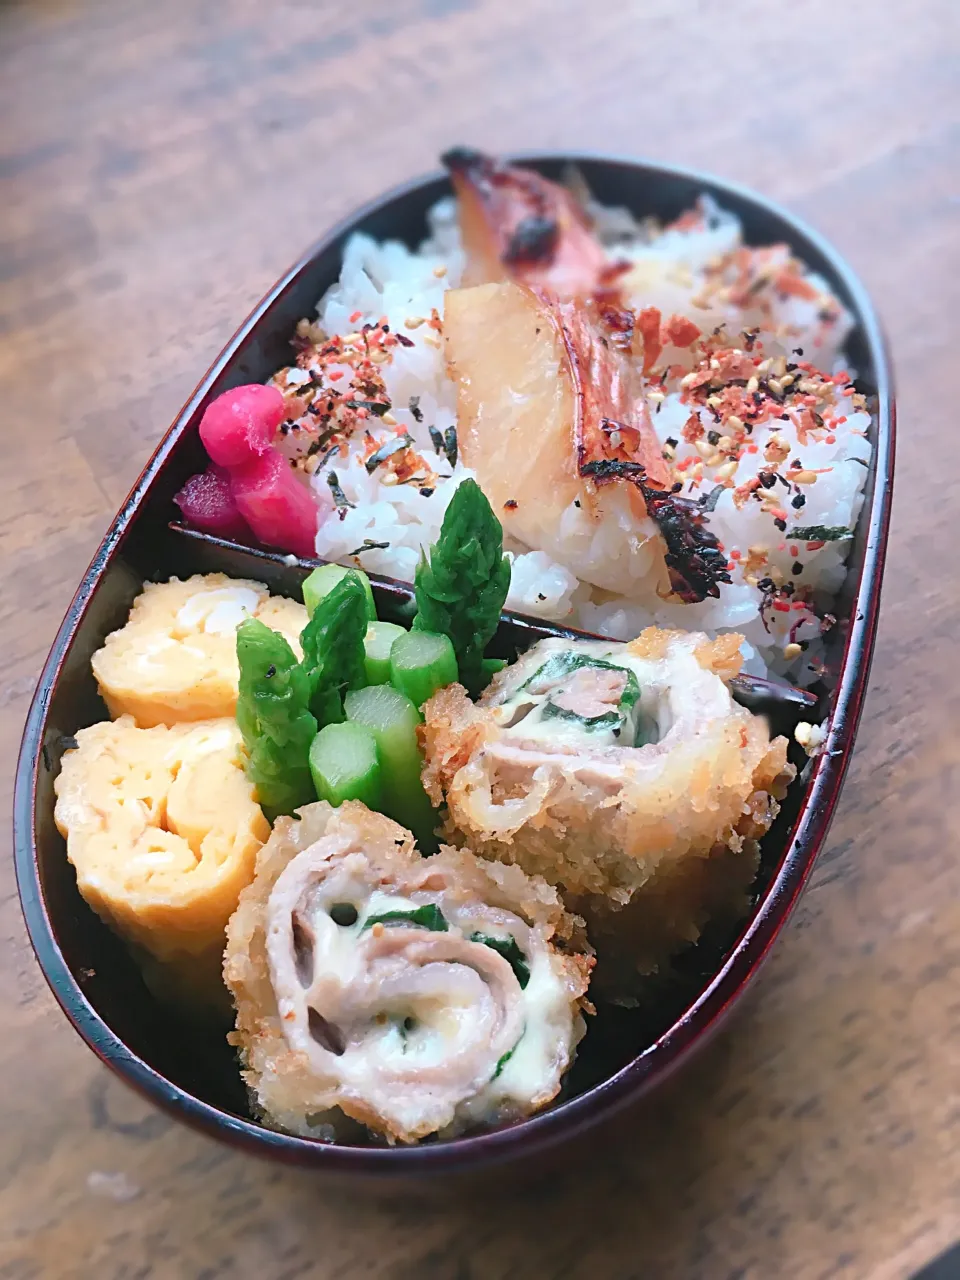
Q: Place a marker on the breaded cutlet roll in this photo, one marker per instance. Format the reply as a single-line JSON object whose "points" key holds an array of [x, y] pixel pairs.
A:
{"points": [[626, 775], [414, 995], [163, 831], [175, 658]]}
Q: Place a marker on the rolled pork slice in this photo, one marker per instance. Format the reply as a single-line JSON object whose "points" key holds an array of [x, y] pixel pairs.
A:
{"points": [[625, 775], [414, 995]]}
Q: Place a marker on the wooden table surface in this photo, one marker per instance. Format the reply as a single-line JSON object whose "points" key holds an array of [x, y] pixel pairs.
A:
{"points": [[161, 164]]}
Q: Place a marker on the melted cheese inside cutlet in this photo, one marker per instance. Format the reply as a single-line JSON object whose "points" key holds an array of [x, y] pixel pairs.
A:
{"points": [[418, 995], [594, 695], [419, 1016]]}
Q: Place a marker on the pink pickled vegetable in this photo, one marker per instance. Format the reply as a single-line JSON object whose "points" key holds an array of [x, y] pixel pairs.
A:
{"points": [[241, 424], [281, 511], [250, 490], [207, 502]]}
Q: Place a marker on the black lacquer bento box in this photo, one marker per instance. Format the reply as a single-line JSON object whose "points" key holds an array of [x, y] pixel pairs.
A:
{"points": [[626, 1053]]}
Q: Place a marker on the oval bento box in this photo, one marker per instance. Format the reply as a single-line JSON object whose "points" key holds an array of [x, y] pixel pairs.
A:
{"points": [[627, 1052]]}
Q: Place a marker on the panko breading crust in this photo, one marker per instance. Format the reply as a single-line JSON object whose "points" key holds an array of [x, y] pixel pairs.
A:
{"points": [[284, 1088], [649, 845]]}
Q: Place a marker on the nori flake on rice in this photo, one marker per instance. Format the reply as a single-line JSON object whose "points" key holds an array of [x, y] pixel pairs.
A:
{"points": [[445, 443], [377, 407], [709, 500], [821, 533], [450, 447], [396, 445], [369, 545], [340, 499]]}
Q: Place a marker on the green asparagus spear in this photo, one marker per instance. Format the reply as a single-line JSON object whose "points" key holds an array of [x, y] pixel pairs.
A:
{"points": [[394, 720], [274, 719], [461, 588], [377, 646], [421, 663], [322, 581], [332, 643], [344, 764]]}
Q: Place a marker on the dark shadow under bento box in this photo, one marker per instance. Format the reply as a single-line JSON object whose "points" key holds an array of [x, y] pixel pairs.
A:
{"points": [[191, 1072]]}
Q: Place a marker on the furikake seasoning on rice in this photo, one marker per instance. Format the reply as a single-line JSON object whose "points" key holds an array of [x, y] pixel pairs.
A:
{"points": [[660, 415]]}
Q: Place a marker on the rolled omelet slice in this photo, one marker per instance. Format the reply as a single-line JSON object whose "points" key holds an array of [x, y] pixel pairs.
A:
{"points": [[625, 775], [413, 995], [175, 659], [163, 831]]}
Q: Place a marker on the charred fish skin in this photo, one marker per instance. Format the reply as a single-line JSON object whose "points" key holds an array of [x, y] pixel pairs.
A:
{"points": [[411, 996], [533, 242], [468, 160], [554, 422], [536, 389], [695, 559], [517, 224], [612, 421], [615, 440]]}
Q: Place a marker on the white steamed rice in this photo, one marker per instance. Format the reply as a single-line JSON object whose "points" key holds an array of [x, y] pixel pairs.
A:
{"points": [[388, 279]]}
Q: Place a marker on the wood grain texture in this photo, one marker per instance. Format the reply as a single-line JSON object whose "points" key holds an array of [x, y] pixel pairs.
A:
{"points": [[160, 165]]}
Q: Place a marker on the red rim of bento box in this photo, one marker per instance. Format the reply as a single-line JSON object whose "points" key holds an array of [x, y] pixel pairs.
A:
{"points": [[694, 1026]]}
